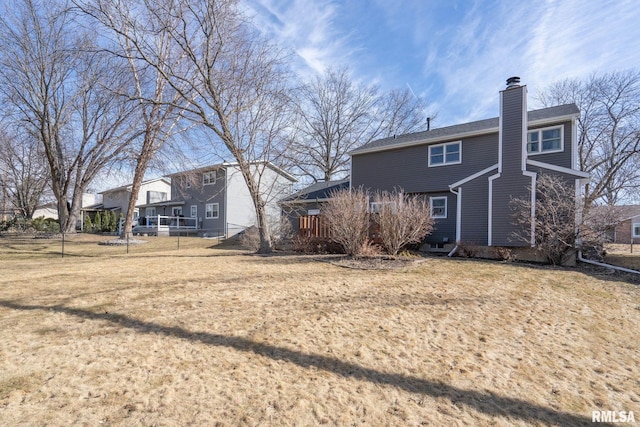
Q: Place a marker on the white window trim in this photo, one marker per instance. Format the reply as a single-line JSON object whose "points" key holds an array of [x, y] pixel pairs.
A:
{"points": [[446, 207], [151, 212], [173, 211], [539, 131], [444, 162], [208, 211], [633, 229], [212, 178], [194, 213], [376, 207]]}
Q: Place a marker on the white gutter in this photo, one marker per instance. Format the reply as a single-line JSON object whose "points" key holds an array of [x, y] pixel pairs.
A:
{"points": [[602, 264]]}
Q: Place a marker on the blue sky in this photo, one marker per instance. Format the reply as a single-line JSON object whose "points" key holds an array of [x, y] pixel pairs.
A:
{"points": [[456, 54]]}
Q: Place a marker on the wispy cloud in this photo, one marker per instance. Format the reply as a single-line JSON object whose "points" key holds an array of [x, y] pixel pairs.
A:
{"points": [[308, 28], [541, 42], [456, 54]]}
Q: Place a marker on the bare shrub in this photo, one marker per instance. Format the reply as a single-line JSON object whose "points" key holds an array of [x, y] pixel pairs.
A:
{"points": [[467, 250], [402, 219], [369, 248], [281, 231], [503, 254], [250, 238], [554, 229], [348, 219]]}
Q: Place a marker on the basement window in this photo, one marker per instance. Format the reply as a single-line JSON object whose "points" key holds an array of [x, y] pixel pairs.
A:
{"points": [[546, 140]]}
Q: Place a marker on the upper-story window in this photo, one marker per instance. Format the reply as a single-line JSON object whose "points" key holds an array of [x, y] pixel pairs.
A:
{"points": [[209, 178], [547, 140], [445, 154]]}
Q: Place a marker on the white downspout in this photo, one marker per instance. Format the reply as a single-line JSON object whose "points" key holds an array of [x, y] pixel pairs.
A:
{"points": [[458, 221]]}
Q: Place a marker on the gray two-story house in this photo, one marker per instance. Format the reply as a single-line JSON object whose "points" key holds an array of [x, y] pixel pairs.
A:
{"points": [[470, 172], [215, 200]]}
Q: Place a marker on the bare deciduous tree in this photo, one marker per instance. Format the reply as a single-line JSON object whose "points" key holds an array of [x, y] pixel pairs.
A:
{"points": [[138, 32], [234, 80], [553, 226], [334, 115], [347, 215], [608, 132], [66, 95], [402, 219], [23, 172]]}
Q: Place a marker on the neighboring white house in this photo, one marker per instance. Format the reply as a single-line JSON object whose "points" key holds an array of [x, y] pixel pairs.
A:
{"points": [[117, 199], [50, 210]]}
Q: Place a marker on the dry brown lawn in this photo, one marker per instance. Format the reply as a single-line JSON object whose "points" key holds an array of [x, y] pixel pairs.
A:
{"points": [[210, 336], [623, 255]]}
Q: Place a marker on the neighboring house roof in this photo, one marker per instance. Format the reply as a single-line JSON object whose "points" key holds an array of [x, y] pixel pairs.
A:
{"points": [[317, 191], [128, 186], [163, 203], [536, 118], [233, 164], [617, 213]]}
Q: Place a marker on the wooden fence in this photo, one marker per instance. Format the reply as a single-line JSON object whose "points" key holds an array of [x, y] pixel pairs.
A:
{"points": [[316, 226], [313, 226]]}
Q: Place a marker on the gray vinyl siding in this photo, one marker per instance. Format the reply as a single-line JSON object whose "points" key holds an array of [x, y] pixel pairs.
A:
{"points": [[201, 195], [503, 229], [512, 183], [512, 133], [475, 211], [407, 168]]}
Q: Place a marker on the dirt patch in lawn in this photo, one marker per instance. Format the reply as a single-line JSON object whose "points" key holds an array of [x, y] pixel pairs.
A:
{"points": [[208, 336], [373, 262]]}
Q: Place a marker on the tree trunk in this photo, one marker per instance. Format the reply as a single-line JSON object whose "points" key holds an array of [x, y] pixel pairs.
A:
{"points": [[138, 176]]}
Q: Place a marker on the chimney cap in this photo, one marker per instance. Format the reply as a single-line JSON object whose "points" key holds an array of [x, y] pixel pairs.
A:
{"points": [[513, 82]]}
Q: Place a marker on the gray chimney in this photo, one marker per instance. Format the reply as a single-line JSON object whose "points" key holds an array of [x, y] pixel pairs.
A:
{"points": [[513, 82]]}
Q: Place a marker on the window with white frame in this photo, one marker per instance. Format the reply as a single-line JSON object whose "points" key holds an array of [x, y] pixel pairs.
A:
{"points": [[438, 207], [187, 182], [636, 229], [194, 211], [176, 211], [211, 210], [547, 140], [150, 211], [376, 207], [445, 154], [209, 178]]}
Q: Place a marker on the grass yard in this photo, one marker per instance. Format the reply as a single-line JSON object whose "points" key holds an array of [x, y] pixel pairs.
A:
{"points": [[211, 336], [619, 254]]}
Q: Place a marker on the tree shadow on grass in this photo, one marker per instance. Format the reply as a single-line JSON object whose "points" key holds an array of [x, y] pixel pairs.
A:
{"points": [[486, 402]]}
